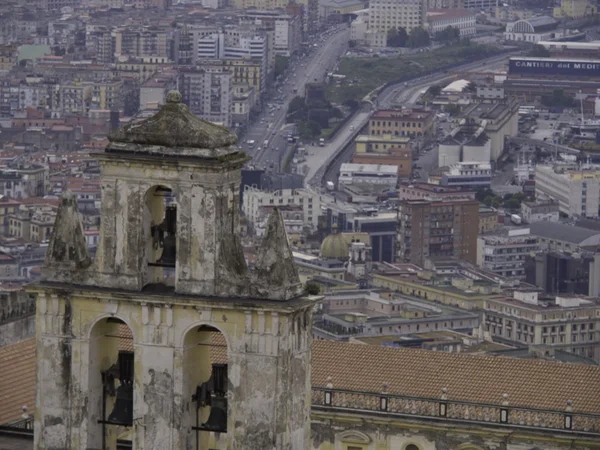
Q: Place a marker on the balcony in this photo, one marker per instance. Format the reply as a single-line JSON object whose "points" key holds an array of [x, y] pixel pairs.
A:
{"points": [[444, 409]]}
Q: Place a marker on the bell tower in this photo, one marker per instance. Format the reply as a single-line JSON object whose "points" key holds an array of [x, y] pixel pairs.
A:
{"points": [[165, 339]]}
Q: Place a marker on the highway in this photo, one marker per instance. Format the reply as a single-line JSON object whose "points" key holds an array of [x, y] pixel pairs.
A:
{"points": [[270, 124], [398, 94]]}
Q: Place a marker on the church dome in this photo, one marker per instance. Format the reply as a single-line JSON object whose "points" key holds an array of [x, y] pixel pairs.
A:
{"points": [[334, 246]]}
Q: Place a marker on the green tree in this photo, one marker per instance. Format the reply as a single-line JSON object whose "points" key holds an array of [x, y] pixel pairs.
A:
{"points": [[309, 129], [281, 63], [471, 87], [435, 90], [396, 37], [452, 109], [296, 104], [352, 104], [539, 51], [448, 35], [418, 37], [312, 288], [351, 44]]}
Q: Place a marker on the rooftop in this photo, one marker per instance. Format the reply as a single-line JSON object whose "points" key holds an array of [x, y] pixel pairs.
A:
{"points": [[412, 114], [563, 232], [17, 383], [445, 14]]}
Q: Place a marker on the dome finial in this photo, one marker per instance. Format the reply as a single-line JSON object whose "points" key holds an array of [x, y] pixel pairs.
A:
{"points": [[174, 97]]}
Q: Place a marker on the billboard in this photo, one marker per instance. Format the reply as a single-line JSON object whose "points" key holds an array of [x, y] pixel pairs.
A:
{"points": [[549, 66]]}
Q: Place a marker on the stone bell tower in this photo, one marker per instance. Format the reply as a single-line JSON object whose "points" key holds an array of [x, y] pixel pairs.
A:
{"points": [[165, 339]]}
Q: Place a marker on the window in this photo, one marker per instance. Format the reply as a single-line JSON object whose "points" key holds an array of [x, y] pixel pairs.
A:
{"points": [[411, 447]]}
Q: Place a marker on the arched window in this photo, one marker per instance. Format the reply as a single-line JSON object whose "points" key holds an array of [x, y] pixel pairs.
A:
{"points": [[412, 447]]}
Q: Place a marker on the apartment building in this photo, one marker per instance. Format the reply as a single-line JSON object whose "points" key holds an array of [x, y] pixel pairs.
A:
{"points": [[208, 93], [75, 97], [427, 191], [384, 149], [505, 252], [244, 99], [576, 190], [145, 41], [469, 175], [99, 40], [307, 199], [440, 19], [407, 14], [566, 322], [437, 229], [415, 122], [107, 95]]}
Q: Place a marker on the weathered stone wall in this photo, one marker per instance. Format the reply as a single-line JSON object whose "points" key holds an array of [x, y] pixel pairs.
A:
{"points": [[17, 330], [268, 363]]}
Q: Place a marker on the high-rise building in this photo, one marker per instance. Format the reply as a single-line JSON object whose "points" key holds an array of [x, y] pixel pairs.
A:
{"points": [[437, 229], [407, 14], [208, 93]]}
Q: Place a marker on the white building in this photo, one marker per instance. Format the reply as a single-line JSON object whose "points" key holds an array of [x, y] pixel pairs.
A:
{"points": [[577, 191], [540, 211], [307, 199], [208, 93], [468, 174], [368, 173], [359, 26], [440, 19], [386, 14], [536, 29], [288, 35], [504, 253]]}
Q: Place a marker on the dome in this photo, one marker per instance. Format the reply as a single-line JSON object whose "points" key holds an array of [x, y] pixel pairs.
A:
{"points": [[334, 246]]}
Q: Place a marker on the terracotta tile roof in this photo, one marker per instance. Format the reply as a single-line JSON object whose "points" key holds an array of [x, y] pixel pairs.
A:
{"points": [[17, 379], [412, 372]]}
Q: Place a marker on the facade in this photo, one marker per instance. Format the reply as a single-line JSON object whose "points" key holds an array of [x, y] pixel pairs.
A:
{"points": [[402, 159], [469, 175], [440, 19], [442, 229], [170, 363], [540, 211], [541, 28], [407, 14], [576, 191], [488, 220], [574, 9], [557, 273], [504, 253], [383, 175], [309, 200], [560, 237], [566, 322], [426, 191], [208, 93], [405, 123]]}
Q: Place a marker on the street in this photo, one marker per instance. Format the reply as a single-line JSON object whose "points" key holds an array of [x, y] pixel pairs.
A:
{"points": [[270, 125]]}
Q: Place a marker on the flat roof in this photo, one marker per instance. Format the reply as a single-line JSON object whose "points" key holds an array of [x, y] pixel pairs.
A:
{"points": [[382, 138], [381, 168]]}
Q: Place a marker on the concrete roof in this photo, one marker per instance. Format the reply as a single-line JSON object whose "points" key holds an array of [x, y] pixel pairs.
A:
{"points": [[566, 233]]}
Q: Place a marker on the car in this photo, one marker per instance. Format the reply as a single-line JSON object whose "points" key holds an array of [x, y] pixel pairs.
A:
{"points": [[274, 132]]}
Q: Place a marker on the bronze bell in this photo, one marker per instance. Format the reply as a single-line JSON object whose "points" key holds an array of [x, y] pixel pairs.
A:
{"points": [[122, 413], [217, 420], [169, 243]]}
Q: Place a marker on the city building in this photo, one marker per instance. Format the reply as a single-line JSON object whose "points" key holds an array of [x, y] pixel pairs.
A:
{"points": [[540, 28], [468, 142], [308, 200], [153, 92], [488, 219], [468, 175], [576, 190], [504, 252], [561, 237], [427, 191], [340, 8], [479, 5], [208, 93], [407, 14], [440, 19], [403, 122], [574, 9], [539, 211], [566, 322], [559, 272], [499, 118], [385, 149], [381, 229], [346, 314], [244, 99], [369, 174], [437, 229]]}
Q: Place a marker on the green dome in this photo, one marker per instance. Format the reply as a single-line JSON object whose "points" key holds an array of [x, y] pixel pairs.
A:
{"points": [[334, 246]]}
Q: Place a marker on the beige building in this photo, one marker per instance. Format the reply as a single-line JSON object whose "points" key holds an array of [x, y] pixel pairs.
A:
{"points": [[107, 95], [567, 322], [407, 14], [32, 224]]}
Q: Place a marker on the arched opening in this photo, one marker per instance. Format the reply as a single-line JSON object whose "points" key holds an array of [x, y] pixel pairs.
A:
{"points": [[160, 235], [110, 385], [205, 387]]}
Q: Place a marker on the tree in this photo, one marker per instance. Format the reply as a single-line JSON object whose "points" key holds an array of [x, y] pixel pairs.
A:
{"points": [[309, 129], [448, 35], [352, 104], [351, 44], [452, 109], [396, 37], [296, 104], [539, 51], [471, 87], [418, 38], [312, 288], [281, 63], [336, 113], [558, 99], [435, 90]]}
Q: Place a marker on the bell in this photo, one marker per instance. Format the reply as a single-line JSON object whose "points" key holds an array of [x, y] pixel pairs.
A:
{"points": [[169, 254], [122, 413], [217, 420]]}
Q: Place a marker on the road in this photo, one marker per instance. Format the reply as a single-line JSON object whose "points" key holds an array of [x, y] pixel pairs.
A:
{"points": [[270, 124], [402, 94]]}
